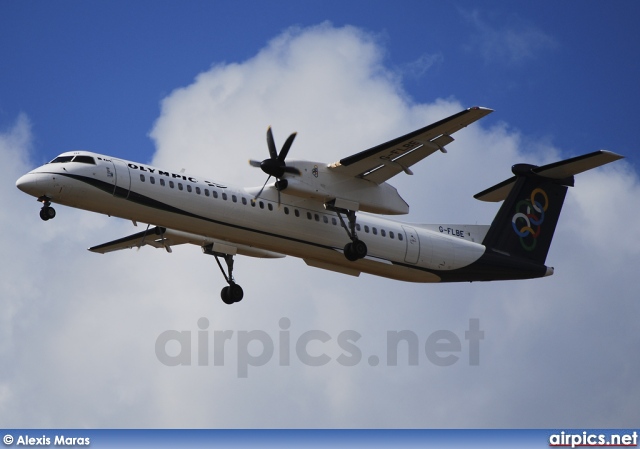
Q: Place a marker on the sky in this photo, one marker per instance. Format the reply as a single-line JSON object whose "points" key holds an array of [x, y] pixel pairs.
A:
{"points": [[85, 338]]}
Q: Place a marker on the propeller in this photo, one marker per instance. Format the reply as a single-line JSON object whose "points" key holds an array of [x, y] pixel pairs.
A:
{"points": [[275, 165]]}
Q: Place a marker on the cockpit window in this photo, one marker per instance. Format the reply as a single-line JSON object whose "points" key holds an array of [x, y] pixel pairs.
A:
{"points": [[84, 160], [61, 159], [80, 158]]}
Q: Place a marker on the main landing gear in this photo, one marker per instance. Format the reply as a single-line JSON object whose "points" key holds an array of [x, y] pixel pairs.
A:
{"points": [[356, 248], [233, 292], [47, 212]]}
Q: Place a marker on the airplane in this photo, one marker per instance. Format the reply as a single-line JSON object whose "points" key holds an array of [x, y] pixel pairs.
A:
{"points": [[329, 215]]}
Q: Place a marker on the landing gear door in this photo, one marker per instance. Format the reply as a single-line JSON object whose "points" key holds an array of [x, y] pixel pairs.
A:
{"points": [[413, 245], [122, 179]]}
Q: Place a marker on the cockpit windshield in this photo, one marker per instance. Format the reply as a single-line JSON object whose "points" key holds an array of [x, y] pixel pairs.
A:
{"points": [[84, 160], [61, 159], [78, 158]]}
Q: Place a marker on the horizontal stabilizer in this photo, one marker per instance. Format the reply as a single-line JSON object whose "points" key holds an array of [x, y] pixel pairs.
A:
{"points": [[557, 170]]}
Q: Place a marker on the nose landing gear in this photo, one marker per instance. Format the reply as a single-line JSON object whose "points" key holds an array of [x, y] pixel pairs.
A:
{"points": [[47, 212]]}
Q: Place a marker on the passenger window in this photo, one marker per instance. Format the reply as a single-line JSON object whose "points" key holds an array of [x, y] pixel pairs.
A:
{"points": [[180, 186], [357, 226], [325, 219], [270, 206], [400, 237], [162, 182], [234, 198], [198, 191], [296, 212], [391, 235], [334, 221], [286, 210], [224, 196], [214, 193], [171, 184], [152, 179], [309, 215], [188, 188], [366, 229], [206, 192], [375, 231], [244, 201], [141, 177], [383, 233]]}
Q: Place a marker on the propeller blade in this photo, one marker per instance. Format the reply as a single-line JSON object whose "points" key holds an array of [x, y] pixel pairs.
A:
{"points": [[263, 186], [254, 163], [286, 147], [271, 144], [292, 170], [278, 198]]}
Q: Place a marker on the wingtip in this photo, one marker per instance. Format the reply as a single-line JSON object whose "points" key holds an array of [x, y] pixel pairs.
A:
{"points": [[481, 108], [613, 156]]}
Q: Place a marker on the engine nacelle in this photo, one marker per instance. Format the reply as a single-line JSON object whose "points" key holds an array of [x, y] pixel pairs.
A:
{"points": [[319, 182]]}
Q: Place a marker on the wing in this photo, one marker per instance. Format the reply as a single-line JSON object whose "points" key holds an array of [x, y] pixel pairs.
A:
{"points": [[155, 237], [159, 237], [384, 161]]}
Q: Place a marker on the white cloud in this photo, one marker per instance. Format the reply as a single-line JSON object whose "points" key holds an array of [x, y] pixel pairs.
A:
{"points": [[424, 63], [83, 327], [513, 42]]}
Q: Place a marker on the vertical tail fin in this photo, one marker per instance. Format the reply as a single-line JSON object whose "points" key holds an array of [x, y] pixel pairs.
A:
{"points": [[527, 219], [533, 199]]}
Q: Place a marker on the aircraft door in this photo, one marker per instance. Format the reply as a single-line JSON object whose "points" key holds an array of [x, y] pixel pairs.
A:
{"points": [[122, 179], [413, 245]]}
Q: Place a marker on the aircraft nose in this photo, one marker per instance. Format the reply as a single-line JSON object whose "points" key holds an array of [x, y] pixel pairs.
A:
{"points": [[27, 183]]}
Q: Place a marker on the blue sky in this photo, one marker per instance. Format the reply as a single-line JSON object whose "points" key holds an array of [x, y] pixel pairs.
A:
{"points": [[194, 85], [92, 74]]}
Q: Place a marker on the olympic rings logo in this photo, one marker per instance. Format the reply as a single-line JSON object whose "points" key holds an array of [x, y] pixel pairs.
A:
{"points": [[529, 217]]}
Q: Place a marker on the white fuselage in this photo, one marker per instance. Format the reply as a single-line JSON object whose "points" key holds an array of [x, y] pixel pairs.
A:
{"points": [[297, 227]]}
